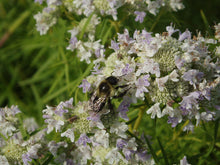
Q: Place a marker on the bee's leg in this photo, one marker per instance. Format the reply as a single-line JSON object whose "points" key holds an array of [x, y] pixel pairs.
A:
{"points": [[121, 86], [120, 94], [101, 107], [110, 106], [90, 94]]}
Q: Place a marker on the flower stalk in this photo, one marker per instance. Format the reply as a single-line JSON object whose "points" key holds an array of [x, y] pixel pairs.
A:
{"points": [[140, 115]]}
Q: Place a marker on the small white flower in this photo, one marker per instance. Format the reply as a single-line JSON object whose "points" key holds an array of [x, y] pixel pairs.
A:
{"points": [[53, 146], [141, 85], [173, 76], [83, 53], [132, 145], [30, 124], [69, 133], [217, 31], [207, 116], [184, 161], [73, 32], [168, 110], [170, 29], [148, 66], [86, 150], [81, 154], [155, 110], [114, 157], [7, 129], [161, 82], [153, 6], [119, 129], [217, 50], [101, 137], [189, 127], [176, 5], [32, 151]]}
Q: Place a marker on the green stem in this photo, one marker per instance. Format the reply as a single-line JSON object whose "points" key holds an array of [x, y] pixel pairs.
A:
{"points": [[157, 19], [3, 137], [140, 115], [14, 26]]}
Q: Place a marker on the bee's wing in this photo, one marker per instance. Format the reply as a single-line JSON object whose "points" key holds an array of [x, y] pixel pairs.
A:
{"points": [[98, 103]]}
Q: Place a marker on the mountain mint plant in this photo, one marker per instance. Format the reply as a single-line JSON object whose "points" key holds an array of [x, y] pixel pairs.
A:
{"points": [[175, 78], [171, 75]]}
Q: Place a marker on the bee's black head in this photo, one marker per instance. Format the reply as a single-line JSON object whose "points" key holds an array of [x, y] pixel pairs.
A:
{"points": [[112, 80]]}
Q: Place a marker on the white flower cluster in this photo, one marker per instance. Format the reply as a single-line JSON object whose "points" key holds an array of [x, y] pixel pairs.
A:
{"points": [[81, 138], [178, 77], [87, 47], [15, 143], [97, 138], [83, 34]]}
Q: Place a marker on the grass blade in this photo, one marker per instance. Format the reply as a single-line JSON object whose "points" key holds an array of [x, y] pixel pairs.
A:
{"points": [[163, 152], [153, 153]]}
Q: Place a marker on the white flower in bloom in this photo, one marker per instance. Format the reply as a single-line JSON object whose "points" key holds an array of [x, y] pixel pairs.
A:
{"points": [[141, 85], [119, 129], [114, 157], [176, 5], [161, 82], [168, 110], [7, 129], [83, 53], [32, 151], [204, 116], [132, 145], [74, 32], [184, 161], [170, 29], [86, 151], [155, 110], [30, 124], [153, 6], [44, 21], [69, 133], [173, 76], [101, 137], [53, 146], [148, 66], [54, 116], [41, 27], [189, 127], [81, 154], [217, 31]]}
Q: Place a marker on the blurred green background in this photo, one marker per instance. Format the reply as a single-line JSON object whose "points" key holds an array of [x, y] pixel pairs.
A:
{"points": [[36, 71]]}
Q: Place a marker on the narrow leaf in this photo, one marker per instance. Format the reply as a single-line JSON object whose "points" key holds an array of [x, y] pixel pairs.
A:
{"points": [[163, 152]]}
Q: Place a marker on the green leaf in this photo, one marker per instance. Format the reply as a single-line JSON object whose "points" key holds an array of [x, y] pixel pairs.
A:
{"points": [[163, 152], [152, 151]]}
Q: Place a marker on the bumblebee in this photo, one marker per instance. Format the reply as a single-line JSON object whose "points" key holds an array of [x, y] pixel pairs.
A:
{"points": [[103, 93]]}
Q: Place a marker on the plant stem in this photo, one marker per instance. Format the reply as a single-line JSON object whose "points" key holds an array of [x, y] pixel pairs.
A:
{"points": [[140, 115], [13, 27]]}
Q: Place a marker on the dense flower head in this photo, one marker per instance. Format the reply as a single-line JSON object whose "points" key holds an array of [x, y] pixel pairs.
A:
{"points": [[176, 75], [14, 146], [8, 120], [83, 38], [48, 17], [95, 136], [82, 136]]}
